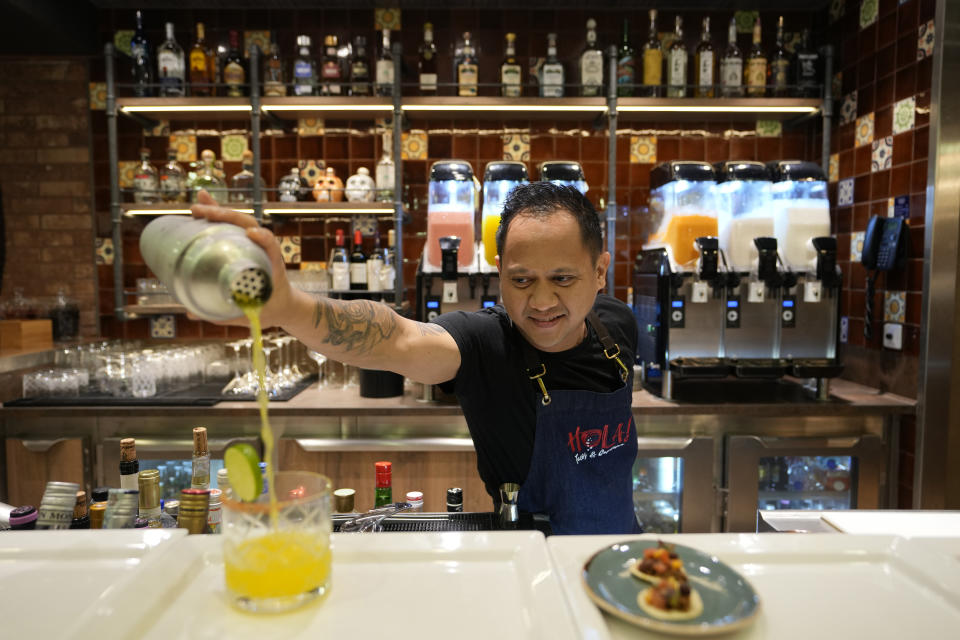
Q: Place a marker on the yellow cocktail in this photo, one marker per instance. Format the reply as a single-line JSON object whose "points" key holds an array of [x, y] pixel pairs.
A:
{"points": [[279, 564]]}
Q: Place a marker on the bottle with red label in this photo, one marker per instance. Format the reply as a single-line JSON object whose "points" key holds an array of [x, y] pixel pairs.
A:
{"points": [[331, 73], [383, 494]]}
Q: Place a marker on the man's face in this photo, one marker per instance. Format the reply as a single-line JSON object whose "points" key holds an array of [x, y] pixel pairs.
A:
{"points": [[548, 279]]}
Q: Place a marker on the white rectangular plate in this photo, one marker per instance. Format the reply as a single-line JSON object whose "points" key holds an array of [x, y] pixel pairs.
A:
{"points": [[912, 524], [48, 578], [846, 586], [395, 585]]}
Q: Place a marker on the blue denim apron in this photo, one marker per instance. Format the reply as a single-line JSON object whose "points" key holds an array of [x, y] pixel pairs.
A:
{"points": [[584, 448]]}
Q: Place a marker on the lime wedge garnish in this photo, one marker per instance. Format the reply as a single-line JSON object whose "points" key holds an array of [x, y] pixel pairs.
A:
{"points": [[243, 469]]}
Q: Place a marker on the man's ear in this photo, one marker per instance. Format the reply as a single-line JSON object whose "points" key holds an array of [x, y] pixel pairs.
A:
{"points": [[603, 263]]}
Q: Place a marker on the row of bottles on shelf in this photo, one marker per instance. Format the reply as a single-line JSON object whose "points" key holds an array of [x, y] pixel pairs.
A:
{"points": [[171, 183], [656, 69], [805, 474], [357, 270]]}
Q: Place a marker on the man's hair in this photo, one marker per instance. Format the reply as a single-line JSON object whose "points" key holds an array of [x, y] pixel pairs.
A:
{"points": [[542, 200]]}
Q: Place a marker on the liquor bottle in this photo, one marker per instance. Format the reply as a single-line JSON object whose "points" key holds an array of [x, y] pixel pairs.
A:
{"points": [[23, 518], [705, 64], [170, 66], [201, 65], [223, 482], [384, 71], [241, 185], [149, 502], [677, 63], [428, 62], [388, 272], [807, 68], [756, 71], [467, 69], [511, 73], [358, 264], [360, 68], [731, 65], [340, 265], [652, 60], [142, 69], [122, 507], [415, 498], [304, 69], [234, 74], [375, 265], [289, 188], [81, 520], [56, 507], [208, 179], [273, 81], [778, 74], [551, 73], [215, 511], [129, 465], [200, 478], [386, 171], [330, 71], [455, 499], [626, 64], [172, 179], [96, 511], [383, 493], [194, 509], [591, 64], [146, 185]]}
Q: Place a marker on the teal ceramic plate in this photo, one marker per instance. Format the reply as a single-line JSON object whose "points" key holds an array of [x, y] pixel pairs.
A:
{"points": [[729, 601]]}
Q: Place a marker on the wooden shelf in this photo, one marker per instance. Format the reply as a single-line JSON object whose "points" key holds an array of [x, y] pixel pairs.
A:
{"points": [[270, 209], [483, 107], [711, 109], [136, 310], [328, 107], [185, 108]]}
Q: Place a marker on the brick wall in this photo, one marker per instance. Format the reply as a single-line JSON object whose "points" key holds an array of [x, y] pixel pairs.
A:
{"points": [[45, 175]]}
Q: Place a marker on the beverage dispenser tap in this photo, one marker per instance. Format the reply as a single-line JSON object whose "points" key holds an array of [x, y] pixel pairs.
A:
{"points": [[449, 250], [827, 271], [768, 276], [709, 263]]}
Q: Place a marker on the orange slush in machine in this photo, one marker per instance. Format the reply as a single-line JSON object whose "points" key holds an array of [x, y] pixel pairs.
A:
{"points": [[499, 179], [681, 210]]}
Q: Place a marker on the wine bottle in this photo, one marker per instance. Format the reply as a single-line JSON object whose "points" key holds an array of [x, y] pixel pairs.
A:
{"points": [[756, 71], [705, 64], [626, 64], [428, 62], [779, 71], [652, 60], [358, 264], [677, 63], [731, 65]]}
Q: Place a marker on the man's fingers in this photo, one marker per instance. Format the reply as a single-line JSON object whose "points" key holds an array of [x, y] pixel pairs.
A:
{"points": [[217, 213], [204, 197], [268, 241]]}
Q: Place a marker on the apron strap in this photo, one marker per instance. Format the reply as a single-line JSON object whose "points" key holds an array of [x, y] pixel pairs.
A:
{"points": [[610, 348]]}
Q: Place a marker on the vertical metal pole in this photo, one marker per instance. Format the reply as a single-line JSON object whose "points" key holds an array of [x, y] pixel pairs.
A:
{"points": [[827, 108], [255, 130], [611, 164], [398, 173], [116, 215]]}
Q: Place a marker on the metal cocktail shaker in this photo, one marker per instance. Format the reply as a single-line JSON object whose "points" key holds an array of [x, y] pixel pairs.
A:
{"points": [[207, 264]]}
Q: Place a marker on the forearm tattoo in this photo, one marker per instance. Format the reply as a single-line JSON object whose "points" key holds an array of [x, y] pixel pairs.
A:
{"points": [[356, 326]]}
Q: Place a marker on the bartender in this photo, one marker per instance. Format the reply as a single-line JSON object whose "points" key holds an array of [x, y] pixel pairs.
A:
{"points": [[544, 380]]}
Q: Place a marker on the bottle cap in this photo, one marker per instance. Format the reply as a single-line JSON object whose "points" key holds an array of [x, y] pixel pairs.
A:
{"points": [[414, 497], [223, 480], [172, 507], [343, 500], [330, 41], [384, 471], [216, 497], [100, 494], [23, 516], [200, 441], [149, 483], [454, 496], [128, 450]]}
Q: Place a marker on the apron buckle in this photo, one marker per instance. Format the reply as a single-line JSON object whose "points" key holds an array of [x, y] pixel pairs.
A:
{"points": [[624, 373], [545, 400]]}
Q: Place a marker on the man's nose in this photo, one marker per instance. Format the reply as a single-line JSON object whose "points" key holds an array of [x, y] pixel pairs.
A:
{"points": [[543, 297]]}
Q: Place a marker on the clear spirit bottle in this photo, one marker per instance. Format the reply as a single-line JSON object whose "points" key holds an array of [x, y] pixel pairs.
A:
{"points": [[340, 265], [385, 67], [705, 63], [142, 69], [677, 63], [511, 74], [386, 176], [149, 498], [146, 185], [731, 65], [551, 73], [652, 60], [172, 179], [170, 66], [304, 69], [208, 179], [591, 64]]}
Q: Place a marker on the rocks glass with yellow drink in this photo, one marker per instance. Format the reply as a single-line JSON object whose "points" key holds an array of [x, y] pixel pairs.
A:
{"points": [[499, 179], [276, 567]]}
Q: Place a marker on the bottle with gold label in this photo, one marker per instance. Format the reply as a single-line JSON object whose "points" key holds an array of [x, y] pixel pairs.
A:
{"points": [[705, 64], [467, 69], [652, 60], [234, 72], [779, 72], [677, 63], [510, 70], [200, 478], [149, 502], [201, 65], [194, 509], [756, 71]]}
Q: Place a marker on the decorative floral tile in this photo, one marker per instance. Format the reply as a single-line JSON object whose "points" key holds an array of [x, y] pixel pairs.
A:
{"points": [[186, 146], [833, 172], [313, 266], [856, 246], [848, 110], [366, 225], [769, 128], [516, 146], [901, 207], [845, 193], [643, 149], [309, 127], [895, 306], [745, 20], [882, 157], [837, 84], [121, 41], [837, 9], [864, 134], [925, 41], [161, 130], [259, 38], [232, 147], [98, 96], [868, 12], [386, 19], [312, 170], [290, 248], [163, 327], [891, 207], [104, 249], [126, 170], [904, 114], [414, 145]]}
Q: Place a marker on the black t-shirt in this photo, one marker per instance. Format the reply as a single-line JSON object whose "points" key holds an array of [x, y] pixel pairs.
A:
{"points": [[499, 400]]}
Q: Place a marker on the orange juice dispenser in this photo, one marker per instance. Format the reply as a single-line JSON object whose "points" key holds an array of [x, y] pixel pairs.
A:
{"points": [[680, 280], [499, 179]]}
